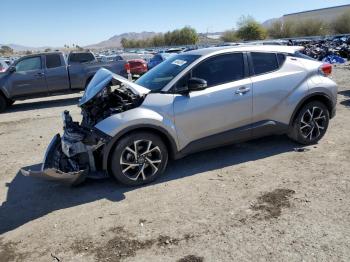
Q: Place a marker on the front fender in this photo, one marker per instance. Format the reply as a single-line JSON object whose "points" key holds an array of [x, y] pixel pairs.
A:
{"points": [[117, 125], [3, 85]]}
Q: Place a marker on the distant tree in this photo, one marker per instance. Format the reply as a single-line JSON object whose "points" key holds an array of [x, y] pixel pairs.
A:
{"points": [[250, 29], [79, 48], [184, 36], [229, 36], [310, 27], [48, 50], [281, 29], [28, 52], [341, 25], [6, 50]]}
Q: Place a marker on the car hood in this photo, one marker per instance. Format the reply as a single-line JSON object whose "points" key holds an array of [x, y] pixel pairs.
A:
{"points": [[100, 82]]}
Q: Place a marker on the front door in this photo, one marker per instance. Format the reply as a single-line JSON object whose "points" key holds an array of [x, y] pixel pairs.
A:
{"points": [[29, 77], [224, 106]]}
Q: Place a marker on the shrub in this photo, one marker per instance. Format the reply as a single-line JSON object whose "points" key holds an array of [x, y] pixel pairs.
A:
{"points": [[341, 25], [249, 29], [282, 30], [310, 27], [229, 36]]}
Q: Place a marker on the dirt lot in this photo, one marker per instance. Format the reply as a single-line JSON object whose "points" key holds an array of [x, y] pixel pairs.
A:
{"points": [[255, 201]]}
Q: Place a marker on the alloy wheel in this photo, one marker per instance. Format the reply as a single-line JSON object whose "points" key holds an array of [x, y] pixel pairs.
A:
{"points": [[313, 123], [140, 160]]}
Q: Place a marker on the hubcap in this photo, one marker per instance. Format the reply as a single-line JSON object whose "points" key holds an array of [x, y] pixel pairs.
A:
{"points": [[313, 123], [140, 160]]}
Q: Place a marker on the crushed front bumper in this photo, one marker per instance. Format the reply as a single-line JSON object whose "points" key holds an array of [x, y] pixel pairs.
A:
{"points": [[48, 170]]}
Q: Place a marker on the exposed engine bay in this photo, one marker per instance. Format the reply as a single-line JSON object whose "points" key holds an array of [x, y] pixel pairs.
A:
{"points": [[78, 153]]}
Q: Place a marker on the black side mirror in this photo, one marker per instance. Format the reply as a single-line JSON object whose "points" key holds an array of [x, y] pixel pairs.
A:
{"points": [[12, 69], [196, 84]]}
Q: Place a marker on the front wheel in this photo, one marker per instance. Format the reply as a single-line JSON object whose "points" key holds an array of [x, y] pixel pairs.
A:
{"points": [[139, 158], [311, 123], [3, 103]]}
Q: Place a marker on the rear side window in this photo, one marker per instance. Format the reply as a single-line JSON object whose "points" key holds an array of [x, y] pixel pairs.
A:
{"points": [[301, 55], [53, 61], [264, 62], [281, 58], [221, 69], [81, 57], [28, 64]]}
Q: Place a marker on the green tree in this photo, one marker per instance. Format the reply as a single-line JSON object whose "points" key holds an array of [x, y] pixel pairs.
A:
{"points": [[341, 25], [250, 29], [47, 50]]}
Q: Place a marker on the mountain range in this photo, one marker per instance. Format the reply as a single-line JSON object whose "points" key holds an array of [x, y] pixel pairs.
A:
{"points": [[114, 41]]}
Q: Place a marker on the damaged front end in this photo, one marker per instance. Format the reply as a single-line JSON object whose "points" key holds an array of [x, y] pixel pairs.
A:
{"points": [[78, 153]]}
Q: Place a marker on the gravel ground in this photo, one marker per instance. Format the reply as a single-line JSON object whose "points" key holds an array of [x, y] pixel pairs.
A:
{"points": [[255, 201]]}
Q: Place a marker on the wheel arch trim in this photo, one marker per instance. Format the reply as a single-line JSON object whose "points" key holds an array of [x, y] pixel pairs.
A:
{"points": [[170, 142], [310, 97]]}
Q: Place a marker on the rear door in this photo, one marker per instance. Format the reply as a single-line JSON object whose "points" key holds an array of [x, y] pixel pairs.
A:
{"points": [[57, 78], [225, 105], [274, 76], [29, 77]]}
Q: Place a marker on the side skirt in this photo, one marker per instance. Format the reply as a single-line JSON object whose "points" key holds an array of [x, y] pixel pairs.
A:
{"points": [[237, 135]]}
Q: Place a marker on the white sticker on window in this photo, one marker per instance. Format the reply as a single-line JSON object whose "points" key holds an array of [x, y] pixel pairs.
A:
{"points": [[179, 62]]}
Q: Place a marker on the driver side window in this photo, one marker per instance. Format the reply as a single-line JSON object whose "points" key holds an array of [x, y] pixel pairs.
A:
{"points": [[28, 64], [221, 69]]}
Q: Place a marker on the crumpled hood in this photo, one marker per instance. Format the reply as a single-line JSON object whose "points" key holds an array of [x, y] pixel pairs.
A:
{"points": [[101, 80]]}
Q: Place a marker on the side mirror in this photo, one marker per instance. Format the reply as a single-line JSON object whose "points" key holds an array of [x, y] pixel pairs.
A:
{"points": [[196, 84], [12, 69]]}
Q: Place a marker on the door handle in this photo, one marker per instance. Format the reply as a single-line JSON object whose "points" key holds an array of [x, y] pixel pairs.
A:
{"points": [[242, 90], [40, 74]]}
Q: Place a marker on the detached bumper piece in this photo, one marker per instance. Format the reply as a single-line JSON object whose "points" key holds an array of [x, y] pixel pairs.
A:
{"points": [[50, 172], [57, 175]]}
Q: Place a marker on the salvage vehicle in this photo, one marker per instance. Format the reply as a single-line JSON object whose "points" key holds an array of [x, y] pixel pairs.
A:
{"points": [[48, 74], [191, 102]]}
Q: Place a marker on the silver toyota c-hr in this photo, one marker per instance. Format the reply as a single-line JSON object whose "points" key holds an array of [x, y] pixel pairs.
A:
{"points": [[191, 102]]}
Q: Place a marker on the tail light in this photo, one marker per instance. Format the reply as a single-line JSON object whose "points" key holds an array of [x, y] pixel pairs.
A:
{"points": [[127, 67], [326, 69]]}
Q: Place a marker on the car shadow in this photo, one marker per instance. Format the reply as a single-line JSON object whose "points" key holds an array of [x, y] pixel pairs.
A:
{"points": [[29, 198], [28, 106], [345, 93]]}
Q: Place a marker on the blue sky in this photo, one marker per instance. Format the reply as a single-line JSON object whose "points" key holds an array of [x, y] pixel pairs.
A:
{"points": [[58, 22]]}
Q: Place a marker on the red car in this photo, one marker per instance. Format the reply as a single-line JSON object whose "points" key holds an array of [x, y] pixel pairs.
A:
{"points": [[137, 66]]}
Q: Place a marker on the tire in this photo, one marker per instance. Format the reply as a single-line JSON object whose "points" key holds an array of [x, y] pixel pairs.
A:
{"points": [[137, 167], [10, 102], [310, 124], [3, 103]]}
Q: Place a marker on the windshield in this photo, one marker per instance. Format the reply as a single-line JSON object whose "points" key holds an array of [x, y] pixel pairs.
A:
{"points": [[163, 73]]}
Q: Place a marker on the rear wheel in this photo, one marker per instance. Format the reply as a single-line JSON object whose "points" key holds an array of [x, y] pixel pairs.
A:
{"points": [[139, 158], [311, 123], [3, 103]]}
